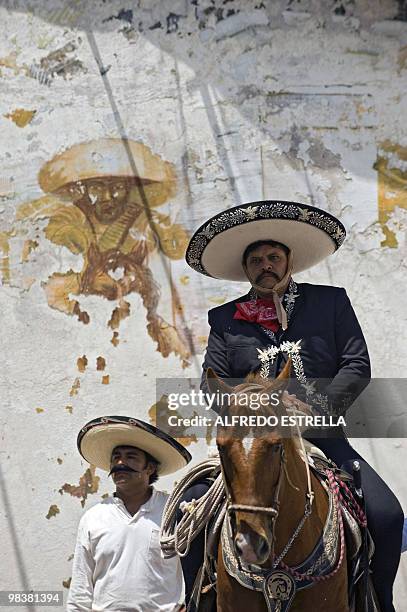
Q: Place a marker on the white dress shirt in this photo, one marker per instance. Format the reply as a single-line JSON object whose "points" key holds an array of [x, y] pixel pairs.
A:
{"points": [[118, 564]]}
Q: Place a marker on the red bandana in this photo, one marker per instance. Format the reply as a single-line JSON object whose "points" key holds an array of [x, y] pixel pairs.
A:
{"points": [[259, 311]]}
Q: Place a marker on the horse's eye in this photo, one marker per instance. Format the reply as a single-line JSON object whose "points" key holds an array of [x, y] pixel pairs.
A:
{"points": [[276, 448]]}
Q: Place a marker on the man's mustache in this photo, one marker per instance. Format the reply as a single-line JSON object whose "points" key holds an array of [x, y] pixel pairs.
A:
{"points": [[122, 468], [263, 274]]}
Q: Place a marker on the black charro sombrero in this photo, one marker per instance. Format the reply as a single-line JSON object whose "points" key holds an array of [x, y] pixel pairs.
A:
{"points": [[98, 438], [217, 247]]}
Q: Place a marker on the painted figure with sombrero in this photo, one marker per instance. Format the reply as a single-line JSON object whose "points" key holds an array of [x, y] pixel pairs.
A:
{"points": [[117, 563], [265, 243], [102, 199]]}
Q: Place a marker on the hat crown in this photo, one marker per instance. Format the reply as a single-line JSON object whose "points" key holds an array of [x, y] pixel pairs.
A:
{"points": [[98, 438], [216, 248]]}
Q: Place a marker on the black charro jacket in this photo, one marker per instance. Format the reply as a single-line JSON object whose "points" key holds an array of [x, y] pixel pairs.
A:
{"points": [[332, 348]]}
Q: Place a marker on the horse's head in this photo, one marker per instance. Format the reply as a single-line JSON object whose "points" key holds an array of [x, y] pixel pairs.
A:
{"points": [[252, 462]]}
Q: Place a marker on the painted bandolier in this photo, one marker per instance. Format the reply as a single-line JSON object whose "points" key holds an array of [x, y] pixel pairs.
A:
{"points": [[265, 243]]}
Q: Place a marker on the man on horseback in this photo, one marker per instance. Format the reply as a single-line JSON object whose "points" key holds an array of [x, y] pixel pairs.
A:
{"points": [[265, 243], [117, 563]]}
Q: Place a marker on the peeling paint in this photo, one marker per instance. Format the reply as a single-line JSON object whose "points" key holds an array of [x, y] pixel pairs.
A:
{"points": [[39, 410], [10, 62], [21, 117], [27, 282], [105, 379], [53, 511], [59, 460], [62, 62], [82, 363], [28, 247], [67, 583], [391, 166], [88, 485], [75, 387], [100, 363], [123, 15], [4, 260], [58, 288], [115, 339], [69, 409], [119, 313]]}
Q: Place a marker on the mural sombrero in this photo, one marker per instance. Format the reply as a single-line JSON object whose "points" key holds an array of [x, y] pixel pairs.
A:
{"points": [[99, 437], [217, 247]]}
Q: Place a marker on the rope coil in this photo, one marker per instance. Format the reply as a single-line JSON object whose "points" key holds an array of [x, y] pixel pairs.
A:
{"points": [[175, 539]]}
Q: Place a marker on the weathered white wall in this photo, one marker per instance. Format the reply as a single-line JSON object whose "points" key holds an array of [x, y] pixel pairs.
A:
{"points": [[302, 100]]}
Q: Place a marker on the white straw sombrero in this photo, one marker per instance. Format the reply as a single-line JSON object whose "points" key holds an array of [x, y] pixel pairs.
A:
{"points": [[217, 247], [99, 437]]}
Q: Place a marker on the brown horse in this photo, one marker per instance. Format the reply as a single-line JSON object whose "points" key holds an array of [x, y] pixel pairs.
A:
{"points": [[266, 483]]}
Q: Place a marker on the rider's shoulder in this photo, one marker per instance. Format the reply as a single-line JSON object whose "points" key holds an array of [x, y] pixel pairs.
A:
{"points": [[322, 290]]}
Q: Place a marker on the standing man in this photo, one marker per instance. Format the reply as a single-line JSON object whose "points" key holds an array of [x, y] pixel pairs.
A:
{"points": [[265, 243], [117, 563]]}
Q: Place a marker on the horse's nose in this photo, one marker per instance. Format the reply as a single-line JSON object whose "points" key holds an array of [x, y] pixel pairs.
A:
{"points": [[252, 548], [263, 549]]}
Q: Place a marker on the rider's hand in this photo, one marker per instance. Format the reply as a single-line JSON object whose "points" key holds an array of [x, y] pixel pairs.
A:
{"points": [[290, 400]]}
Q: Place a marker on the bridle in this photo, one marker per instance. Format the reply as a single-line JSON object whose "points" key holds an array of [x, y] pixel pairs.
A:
{"points": [[272, 510]]}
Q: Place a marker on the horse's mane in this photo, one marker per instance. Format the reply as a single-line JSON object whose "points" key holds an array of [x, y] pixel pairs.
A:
{"points": [[255, 383]]}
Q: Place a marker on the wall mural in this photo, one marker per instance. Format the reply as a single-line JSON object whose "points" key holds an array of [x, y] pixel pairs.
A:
{"points": [[91, 247], [391, 167], [101, 200]]}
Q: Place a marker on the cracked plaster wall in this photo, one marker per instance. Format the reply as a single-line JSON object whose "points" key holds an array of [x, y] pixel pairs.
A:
{"points": [[302, 100]]}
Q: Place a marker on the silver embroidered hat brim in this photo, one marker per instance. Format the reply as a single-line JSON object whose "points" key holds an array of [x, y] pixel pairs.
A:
{"points": [[217, 247], [97, 439]]}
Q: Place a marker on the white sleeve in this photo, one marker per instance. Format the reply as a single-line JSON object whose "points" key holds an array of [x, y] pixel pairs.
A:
{"points": [[80, 595]]}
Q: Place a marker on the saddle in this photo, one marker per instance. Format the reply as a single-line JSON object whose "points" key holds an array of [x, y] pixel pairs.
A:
{"points": [[359, 543]]}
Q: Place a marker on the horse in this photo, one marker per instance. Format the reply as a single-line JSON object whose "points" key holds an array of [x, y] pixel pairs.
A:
{"points": [[277, 511]]}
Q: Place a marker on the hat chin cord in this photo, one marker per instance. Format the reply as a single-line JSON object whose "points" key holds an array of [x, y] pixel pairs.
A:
{"points": [[275, 293]]}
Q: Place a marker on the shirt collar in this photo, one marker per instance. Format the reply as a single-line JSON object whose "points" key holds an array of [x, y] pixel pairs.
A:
{"points": [[147, 507]]}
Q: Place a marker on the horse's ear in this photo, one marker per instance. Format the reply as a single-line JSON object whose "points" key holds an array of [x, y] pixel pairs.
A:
{"points": [[285, 372], [216, 384], [282, 380]]}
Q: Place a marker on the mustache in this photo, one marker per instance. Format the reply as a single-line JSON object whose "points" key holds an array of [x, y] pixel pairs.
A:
{"points": [[122, 468], [263, 274]]}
